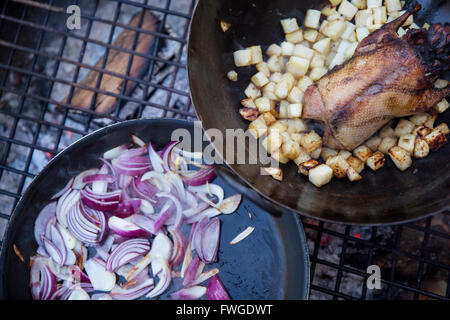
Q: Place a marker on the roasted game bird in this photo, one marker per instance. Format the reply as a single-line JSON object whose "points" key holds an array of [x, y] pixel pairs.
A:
{"points": [[387, 77]]}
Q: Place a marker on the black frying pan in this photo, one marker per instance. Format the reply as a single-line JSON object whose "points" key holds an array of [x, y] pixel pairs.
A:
{"points": [[385, 197], [272, 263]]}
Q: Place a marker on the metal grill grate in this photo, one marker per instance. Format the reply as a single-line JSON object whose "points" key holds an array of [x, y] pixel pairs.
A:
{"points": [[35, 124]]}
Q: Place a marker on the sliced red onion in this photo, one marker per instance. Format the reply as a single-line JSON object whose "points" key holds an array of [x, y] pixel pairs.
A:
{"points": [[179, 246], [155, 159], [127, 208], [58, 240], [200, 177], [115, 152], [126, 228], [164, 215], [191, 293], [178, 208], [202, 277], [78, 275], [144, 222], [230, 204], [79, 294], [63, 190], [101, 296], [124, 181], [131, 166], [216, 290], [162, 247], [42, 280], [101, 279], [208, 213], [187, 259], [99, 177], [158, 179], [65, 203], [177, 183], [210, 240], [69, 240], [42, 221], [78, 183], [107, 201], [83, 226], [58, 256], [197, 237], [191, 271], [165, 277], [166, 155], [138, 141], [210, 188], [135, 292], [143, 189], [127, 251]]}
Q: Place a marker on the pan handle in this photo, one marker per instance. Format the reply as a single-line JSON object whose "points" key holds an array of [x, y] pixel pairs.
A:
{"points": [[236, 183]]}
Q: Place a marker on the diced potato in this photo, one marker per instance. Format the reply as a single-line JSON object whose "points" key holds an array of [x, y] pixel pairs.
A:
{"points": [[303, 157], [338, 165], [350, 50], [259, 79], [322, 26], [362, 152], [374, 26], [264, 68], [296, 125], [379, 15], [393, 5], [403, 127], [320, 175], [311, 141], [290, 149], [264, 104], [278, 126], [373, 143], [443, 128], [335, 16], [310, 35], [303, 52], [268, 91], [360, 4], [374, 3], [284, 86], [249, 114], [317, 73], [435, 140], [257, 56], [421, 131], [329, 9], [252, 91], [441, 106], [306, 166], [287, 48], [334, 29], [376, 161], [349, 28], [276, 173], [278, 156], [273, 50], [304, 82], [323, 46], [338, 59], [420, 118], [248, 103], [335, 2], [295, 36], [335, 45], [363, 18], [430, 121], [316, 153], [401, 32], [276, 77], [441, 83], [407, 142], [295, 95], [421, 148], [361, 33], [387, 131], [386, 144], [272, 142], [312, 19], [355, 163], [289, 25], [295, 110], [242, 58], [400, 157], [283, 109], [306, 43], [426, 26], [232, 75], [274, 64], [352, 175], [408, 21], [297, 66], [347, 9], [414, 26], [269, 118], [224, 26], [353, 37], [318, 60], [258, 127], [327, 152], [344, 154], [282, 62]]}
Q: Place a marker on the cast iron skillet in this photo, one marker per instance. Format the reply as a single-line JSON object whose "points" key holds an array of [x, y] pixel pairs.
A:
{"points": [[385, 197], [270, 264]]}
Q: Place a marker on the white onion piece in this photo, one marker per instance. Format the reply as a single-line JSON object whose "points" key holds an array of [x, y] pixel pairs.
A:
{"points": [[69, 239], [65, 203], [191, 293], [230, 204], [187, 259], [204, 276], [241, 236], [114, 152], [79, 294], [162, 246], [101, 186], [101, 279], [78, 183], [42, 220], [146, 207]]}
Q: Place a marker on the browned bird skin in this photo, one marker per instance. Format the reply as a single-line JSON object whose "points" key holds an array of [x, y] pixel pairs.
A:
{"points": [[385, 79]]}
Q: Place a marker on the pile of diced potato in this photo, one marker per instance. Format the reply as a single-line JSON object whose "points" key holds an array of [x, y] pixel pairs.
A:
{"points": [[273, 101]]}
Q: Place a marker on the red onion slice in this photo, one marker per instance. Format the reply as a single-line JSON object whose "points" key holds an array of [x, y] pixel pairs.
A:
{"points": [[204, 276], [53, 251], [107, 201], [165, 277], [42, 280], [115, 152], [178, 208], [125, 252], [210, 240], [101, 279], [127, 208], [191, 293], [99, 177], [200, 177], [155, 159], [42, 220], [78, 183], [65, 203], [216, 290], [126, 228], [179, 246], [143, 222], [191, 271]]}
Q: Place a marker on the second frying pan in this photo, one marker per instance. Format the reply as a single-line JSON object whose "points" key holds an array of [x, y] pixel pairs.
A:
{"points": [[385, 197]]}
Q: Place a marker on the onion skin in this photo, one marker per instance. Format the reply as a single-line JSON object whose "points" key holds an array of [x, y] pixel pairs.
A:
{"points": [[216, 290]]}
